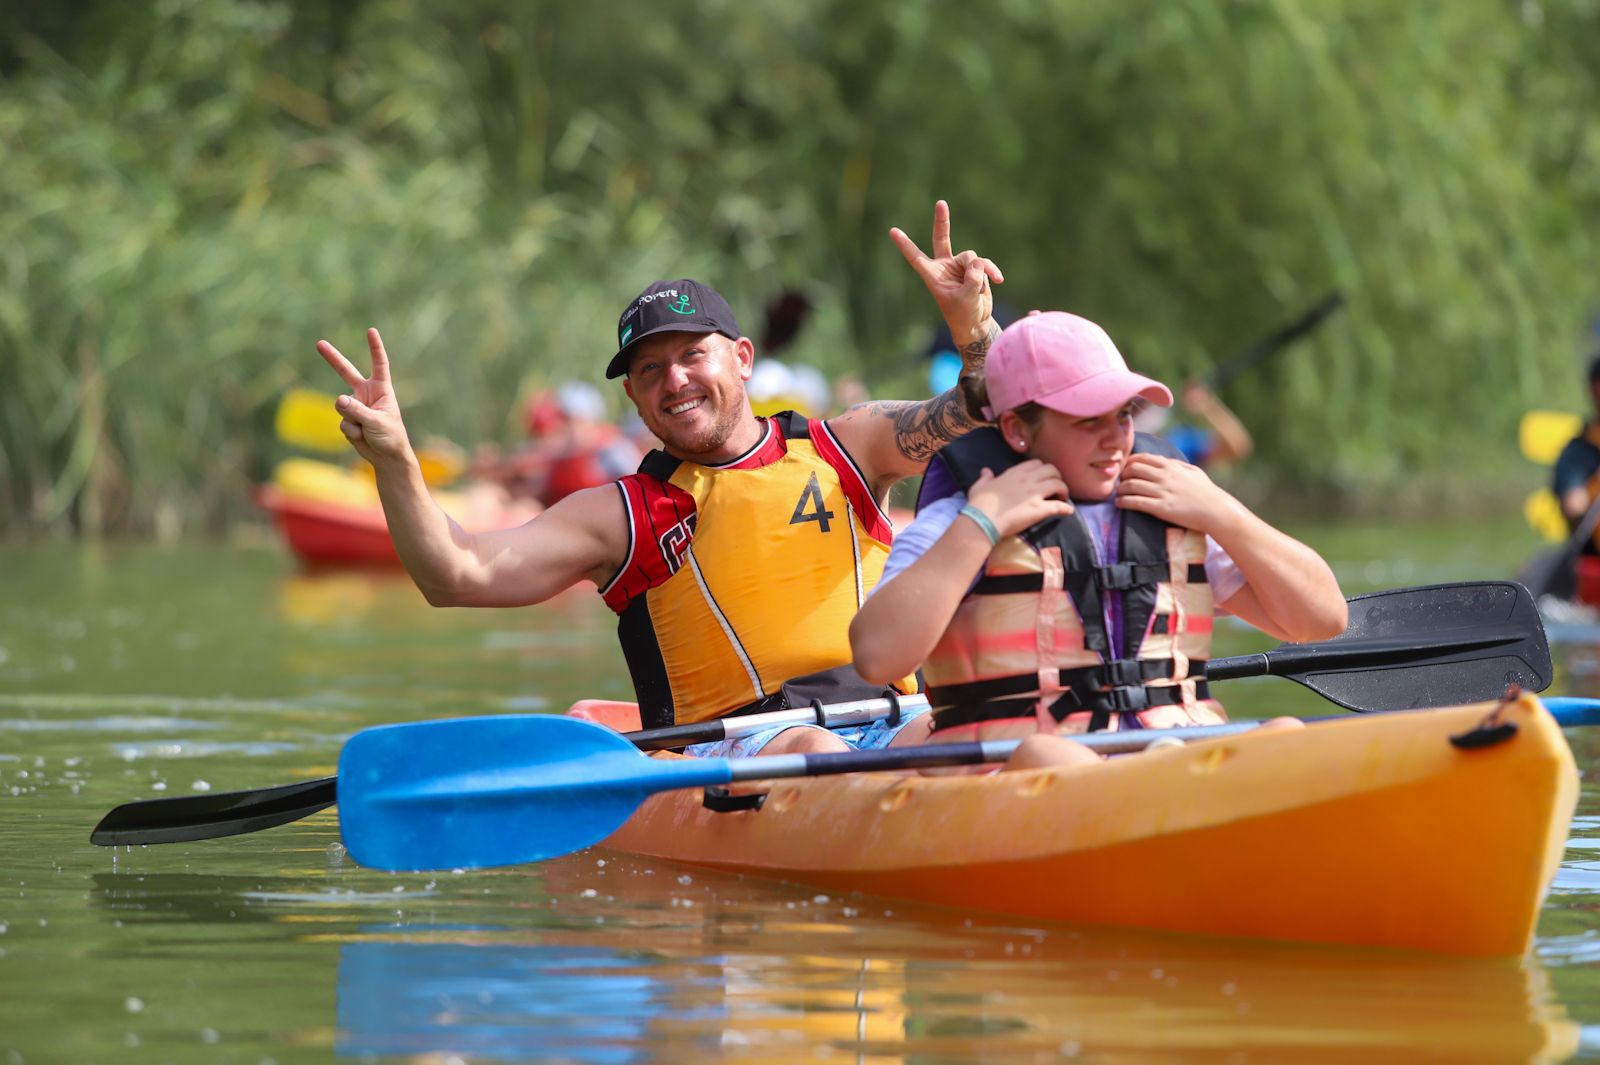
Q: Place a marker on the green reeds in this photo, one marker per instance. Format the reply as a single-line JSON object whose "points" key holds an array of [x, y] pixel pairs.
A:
{"points": [[192, 194]]}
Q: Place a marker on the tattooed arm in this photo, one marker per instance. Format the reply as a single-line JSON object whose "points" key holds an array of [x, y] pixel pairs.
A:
{"points": [[894, 439]]}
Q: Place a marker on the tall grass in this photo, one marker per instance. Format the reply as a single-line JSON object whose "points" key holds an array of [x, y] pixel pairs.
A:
{"points": [[192, 194]]}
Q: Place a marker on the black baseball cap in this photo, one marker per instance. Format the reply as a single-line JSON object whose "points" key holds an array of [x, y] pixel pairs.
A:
{"points": [[681, 306]]}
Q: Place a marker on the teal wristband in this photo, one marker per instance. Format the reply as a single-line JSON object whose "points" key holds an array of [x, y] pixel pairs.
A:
{"points": [[983, 522]]}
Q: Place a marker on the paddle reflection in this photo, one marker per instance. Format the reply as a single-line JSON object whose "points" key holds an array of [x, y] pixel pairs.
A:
{"points": [[585, 1004]]}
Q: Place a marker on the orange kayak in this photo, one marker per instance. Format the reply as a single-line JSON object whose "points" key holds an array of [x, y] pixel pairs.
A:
{"points": [[1371, 831]]}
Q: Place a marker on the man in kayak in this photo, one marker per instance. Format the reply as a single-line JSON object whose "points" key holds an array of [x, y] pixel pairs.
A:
{"points": [[1062, 571], [738, 553]]}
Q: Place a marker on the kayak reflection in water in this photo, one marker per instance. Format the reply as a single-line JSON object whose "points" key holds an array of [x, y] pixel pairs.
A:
{"points": [[738, 553], [1062, 572]]}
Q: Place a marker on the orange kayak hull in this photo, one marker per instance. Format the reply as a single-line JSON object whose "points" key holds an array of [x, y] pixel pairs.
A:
{"points": [[1375, 831]]}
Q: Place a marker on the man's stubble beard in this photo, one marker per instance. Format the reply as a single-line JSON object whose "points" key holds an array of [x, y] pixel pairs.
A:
{"points": [[686, 445]]}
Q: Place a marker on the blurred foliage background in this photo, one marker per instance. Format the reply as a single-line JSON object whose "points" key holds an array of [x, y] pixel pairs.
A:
{"points": [[192, 192]]}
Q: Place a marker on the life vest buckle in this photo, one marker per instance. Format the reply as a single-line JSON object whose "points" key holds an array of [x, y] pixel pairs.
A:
{"points": [[1123, 576], [1118, 577], [1123, 673], [1124, 700]]}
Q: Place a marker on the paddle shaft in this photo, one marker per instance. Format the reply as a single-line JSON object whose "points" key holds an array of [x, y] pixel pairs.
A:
{"points": [[1275, 341], [186, 818], [833, 715], [1370, 653], [1568, 712]]}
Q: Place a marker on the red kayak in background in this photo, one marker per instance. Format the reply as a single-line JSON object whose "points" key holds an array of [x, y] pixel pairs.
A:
{"points": [[331, 516]]}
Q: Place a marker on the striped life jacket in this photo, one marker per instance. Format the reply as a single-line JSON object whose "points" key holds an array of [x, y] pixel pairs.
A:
{"points": [[1030, 639], [741, 579]]}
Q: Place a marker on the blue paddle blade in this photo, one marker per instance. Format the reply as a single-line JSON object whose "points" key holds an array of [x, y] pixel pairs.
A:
{"points": [[483, 791]]}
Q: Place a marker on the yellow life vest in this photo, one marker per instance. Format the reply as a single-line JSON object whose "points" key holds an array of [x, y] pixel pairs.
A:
{"points": [[744, 576], [1031, 640]]}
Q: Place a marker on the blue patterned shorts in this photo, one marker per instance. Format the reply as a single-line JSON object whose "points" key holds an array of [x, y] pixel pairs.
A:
{"points": [[870, 737]]}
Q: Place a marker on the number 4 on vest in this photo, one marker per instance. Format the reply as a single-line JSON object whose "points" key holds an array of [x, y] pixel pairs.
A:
{"points": [[813, 496]]}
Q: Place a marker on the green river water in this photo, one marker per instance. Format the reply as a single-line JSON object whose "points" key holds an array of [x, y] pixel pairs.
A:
{"points": [[131, 672]]}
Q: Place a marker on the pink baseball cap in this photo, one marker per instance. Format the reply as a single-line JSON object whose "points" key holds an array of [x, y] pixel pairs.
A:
{"points": [[1063, 362]]}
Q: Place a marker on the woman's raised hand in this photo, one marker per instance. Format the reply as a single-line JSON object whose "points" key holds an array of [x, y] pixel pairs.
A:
{"points": [[371, 412], [1175, 491], [1022, 496]]}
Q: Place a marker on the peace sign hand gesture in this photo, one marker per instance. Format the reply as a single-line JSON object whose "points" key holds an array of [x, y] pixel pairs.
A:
{"points": [[959, 283], [371, 412]]}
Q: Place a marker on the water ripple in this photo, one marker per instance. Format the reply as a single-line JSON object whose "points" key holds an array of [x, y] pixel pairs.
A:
{"points": [[107, 724]]}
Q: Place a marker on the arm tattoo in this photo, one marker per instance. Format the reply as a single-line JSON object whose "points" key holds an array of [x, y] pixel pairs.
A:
{"points": [[922, 428], [972, 355]]}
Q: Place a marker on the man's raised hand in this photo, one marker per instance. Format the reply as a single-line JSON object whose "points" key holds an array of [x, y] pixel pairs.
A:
{"points": [[371, 413], [960, 284]]}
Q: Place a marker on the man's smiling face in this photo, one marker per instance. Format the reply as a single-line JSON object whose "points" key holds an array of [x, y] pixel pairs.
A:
{"points": [[689, 390]]}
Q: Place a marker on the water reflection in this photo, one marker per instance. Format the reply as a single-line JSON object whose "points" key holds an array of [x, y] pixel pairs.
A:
{"points": [[586, 1004], [608, 960], [470, 992]]}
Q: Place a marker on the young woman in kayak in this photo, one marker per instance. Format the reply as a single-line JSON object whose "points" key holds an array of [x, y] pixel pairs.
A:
{"points": [[1062, 571]]}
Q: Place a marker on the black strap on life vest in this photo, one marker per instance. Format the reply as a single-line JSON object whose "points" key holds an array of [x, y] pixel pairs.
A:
{"points": [[1116, 685], [1119, 577], [841, 684], [1100, 705]]}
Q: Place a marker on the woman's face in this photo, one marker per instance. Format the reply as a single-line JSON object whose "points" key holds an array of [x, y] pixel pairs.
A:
{"points": [[1088, 452]]}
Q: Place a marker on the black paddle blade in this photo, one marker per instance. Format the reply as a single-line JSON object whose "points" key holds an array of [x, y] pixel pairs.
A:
{"points": [[1437, 645], [190, 817]]}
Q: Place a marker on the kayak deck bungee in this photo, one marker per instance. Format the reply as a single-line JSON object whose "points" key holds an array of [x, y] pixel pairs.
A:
{"points": [[1371, 831]]}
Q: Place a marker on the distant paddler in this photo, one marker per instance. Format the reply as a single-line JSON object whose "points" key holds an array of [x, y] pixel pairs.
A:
{"points": [[1575, 478], [737, 555], [572, 445], [1214, 438], [1572, 571]]}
